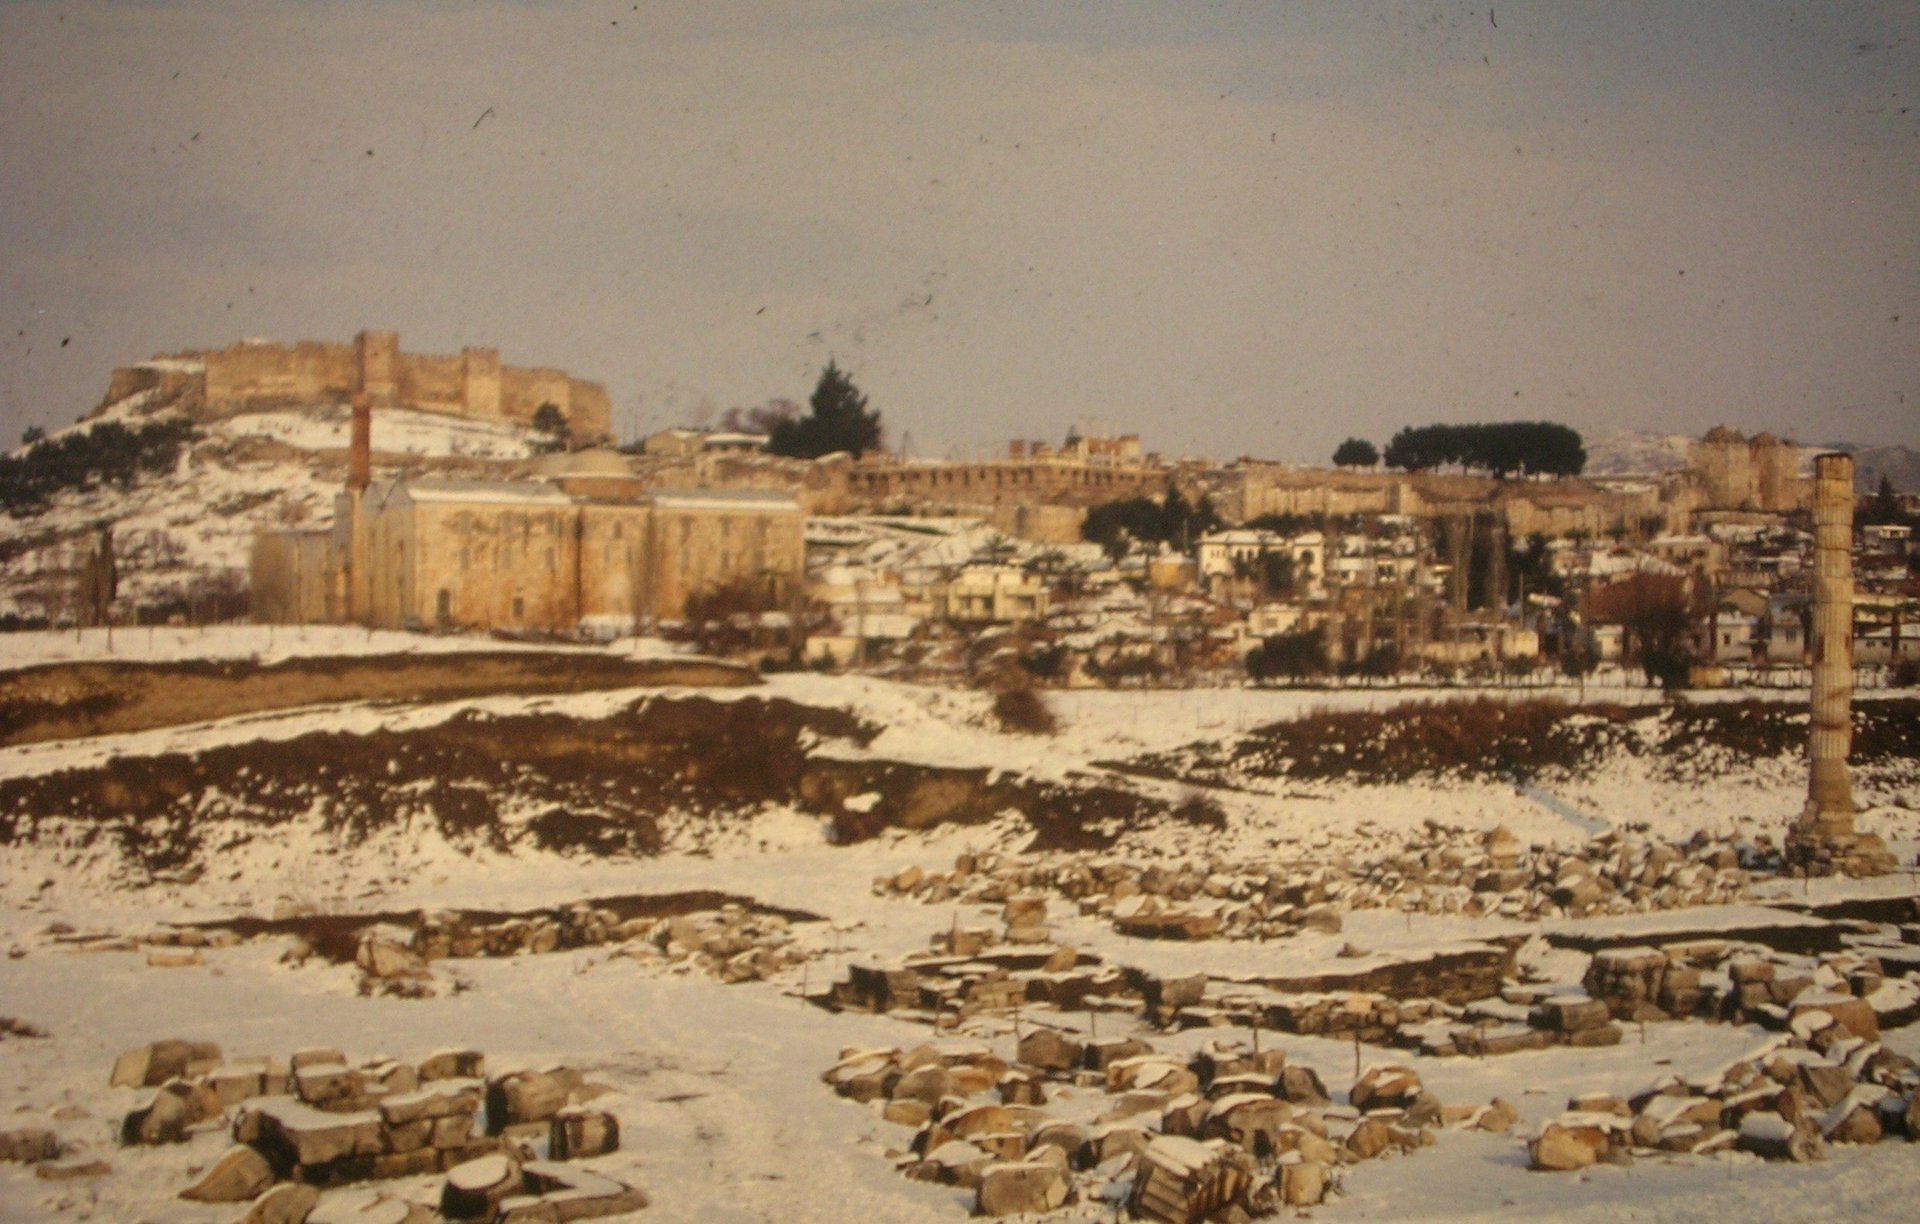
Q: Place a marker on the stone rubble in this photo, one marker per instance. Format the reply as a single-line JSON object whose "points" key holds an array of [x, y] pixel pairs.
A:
{"points": [[1438, 873], [315, 1121], [1227, 1133], [1818, 1083]]}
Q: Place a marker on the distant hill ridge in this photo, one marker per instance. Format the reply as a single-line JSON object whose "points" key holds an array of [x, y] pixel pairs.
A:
{"points": [[1631, 452]]}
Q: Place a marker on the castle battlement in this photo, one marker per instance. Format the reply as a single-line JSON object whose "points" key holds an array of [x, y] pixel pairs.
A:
{"points": [[254, 374]]}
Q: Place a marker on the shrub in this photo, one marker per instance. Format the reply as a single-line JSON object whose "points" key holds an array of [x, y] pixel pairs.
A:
{"points": [[1199, 808], [1024, 711]]}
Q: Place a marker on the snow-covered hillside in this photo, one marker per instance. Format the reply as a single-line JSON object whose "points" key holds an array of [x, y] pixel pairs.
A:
{"points": [[1632, 452], [182, 539]]}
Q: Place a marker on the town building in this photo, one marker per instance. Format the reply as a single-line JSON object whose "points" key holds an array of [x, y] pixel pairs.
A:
{"points": [[583, 547]]}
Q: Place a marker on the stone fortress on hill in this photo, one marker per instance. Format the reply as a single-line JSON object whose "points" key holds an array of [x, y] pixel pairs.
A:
{"points": [[254, 374]]}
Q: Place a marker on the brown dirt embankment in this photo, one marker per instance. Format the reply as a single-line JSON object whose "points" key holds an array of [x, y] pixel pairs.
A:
{"points": [[1497, 740], [70, 700], [610, 786]]}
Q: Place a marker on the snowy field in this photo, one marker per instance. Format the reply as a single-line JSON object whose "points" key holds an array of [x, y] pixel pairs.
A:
{"points": [[266, 644], [718, 1091]]}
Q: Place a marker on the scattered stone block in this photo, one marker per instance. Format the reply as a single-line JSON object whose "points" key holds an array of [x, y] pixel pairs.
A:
{"points": [[1773, 1137], [1021, 1188], [1050, 1050], [460, 1063], [29, 1144], [151, 1065], [287, 1203], [238, 1176], [1562, 1149], [526, 1096], [1390, 1087], [1178, 1180], [1303, 1183], [475, 1190], [71, 1170], [176, 1108], [579, 1133]]}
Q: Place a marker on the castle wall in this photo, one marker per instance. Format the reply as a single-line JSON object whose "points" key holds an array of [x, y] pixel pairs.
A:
{"points": [[432, 383], [378, 355], [585, 404], [1010, 482], [472, 384], [244, 376], [480, 374], [1039, 524], [1736, 473]]}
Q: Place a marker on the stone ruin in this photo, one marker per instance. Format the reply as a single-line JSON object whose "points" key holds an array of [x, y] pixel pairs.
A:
{"points": [[316, 1121], [1234, 1131], [1826, 1079], [733, 943], [1226, 1133], [1440, 873], [1237, 1130]]}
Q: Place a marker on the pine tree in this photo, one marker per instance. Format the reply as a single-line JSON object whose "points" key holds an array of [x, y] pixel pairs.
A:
{"points": [[837, 420]]}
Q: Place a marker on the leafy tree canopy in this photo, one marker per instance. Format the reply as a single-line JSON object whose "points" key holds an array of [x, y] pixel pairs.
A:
{"points": [[1293, 656], [1529, 447], [1355, 452], [837, 420], [1116, 526]]}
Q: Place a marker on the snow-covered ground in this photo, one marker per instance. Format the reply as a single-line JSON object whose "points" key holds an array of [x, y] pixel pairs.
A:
{"points": [[270, 644], [722, 1112]]}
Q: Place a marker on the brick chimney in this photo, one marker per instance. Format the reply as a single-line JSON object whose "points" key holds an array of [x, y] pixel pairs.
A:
{"points": [[360, 449]]}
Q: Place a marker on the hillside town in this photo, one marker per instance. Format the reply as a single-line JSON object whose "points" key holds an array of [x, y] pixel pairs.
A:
{"points": [[1091, 562]]}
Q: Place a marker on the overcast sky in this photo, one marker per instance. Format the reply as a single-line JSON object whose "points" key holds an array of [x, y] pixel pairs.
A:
{"points": [[1235, 228]]}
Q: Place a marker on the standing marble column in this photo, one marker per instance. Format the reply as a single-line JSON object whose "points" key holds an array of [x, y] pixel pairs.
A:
{"points": [[1824, 839]]}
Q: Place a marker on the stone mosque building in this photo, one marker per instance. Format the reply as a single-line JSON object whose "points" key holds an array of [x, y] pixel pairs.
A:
{"points": [[582, 546]]}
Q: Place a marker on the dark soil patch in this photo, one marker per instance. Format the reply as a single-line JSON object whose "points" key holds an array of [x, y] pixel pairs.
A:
{"points": [[69, 700], [1496, 740], [599, 784], [336, 937], [597, 787]]}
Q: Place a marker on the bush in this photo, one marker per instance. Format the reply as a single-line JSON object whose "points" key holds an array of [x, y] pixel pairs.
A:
{"points": [[1292, 655], [1199, 808], [108, 454], [1906, 673], [1023, 711]]}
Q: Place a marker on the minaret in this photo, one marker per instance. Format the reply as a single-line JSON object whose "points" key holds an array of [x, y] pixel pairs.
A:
{"points": [[1824, 839]]}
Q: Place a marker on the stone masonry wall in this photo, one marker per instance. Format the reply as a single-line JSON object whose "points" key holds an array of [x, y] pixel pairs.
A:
{"points": [[474, 383]]}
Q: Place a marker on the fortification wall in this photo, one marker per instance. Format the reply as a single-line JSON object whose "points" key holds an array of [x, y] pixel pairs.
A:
{"points": [[471, 384], [1009, 482], [432, 383], [246, 375], [1040, 524], [585, 404], [1735, 472]]}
